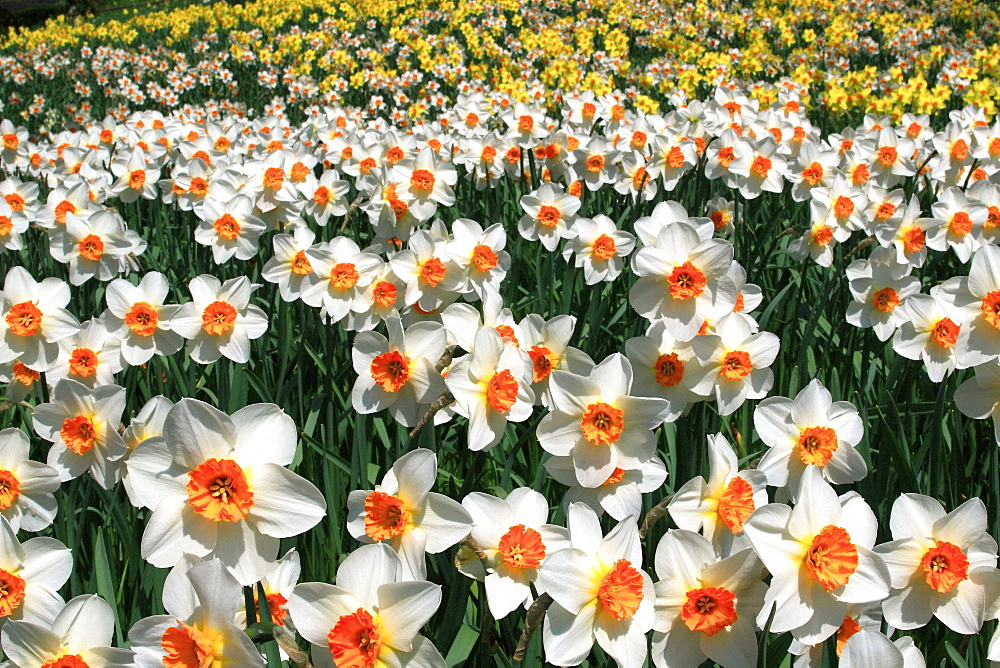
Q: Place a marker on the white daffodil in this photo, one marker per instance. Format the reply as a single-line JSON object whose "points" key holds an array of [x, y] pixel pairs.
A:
{"points": [[810, 430], [599, 592], [514, 536], [718, 508], [138, 317], [620, 495], [219, 488], [370, 617], [26, 487], [34, 319], [31, 574], [219, 320], [404, 512]]}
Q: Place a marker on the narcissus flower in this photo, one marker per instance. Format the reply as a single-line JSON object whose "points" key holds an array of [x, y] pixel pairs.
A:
{"points": [[398, 372], [733, 363], [33, 318], [229, 228], [820, 557], [201, 600], [148, 423], [341, 274], [138, 317], [869, 647], [880, 287], [973, 303], [431, 276], [492, 387], [599, 591], [218, 487], [92, 356], [683, 280], [597, 421], [705, 608], [480, 254], [942, 565], [600, 248], [620, 495], [549, 215], [30, 575], [404, 512], [810, 430], [718, 508], [80, 635], [94, 247], [659, 363], [516, 540], [289, 267], [929, 335], [26, 487], [219, 320], [371, 616], [547, 344], [82, 424]]}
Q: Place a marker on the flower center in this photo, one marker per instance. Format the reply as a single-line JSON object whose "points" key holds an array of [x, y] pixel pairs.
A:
{"points": [[354, 640], [885, 211], [993, 217], [885, 300], [740, 304], [604, 247], [675, 158], [10, 489], [945, 333], [367, 165], [391, 370], [726, 156], [227, 227], [137, 179], [276, 603], [709, 610], [187, 647], [501, 391], [79, 434], [595, 163], [91, 247], [218, 490], [960, 150], [299, 172], [24, 375], [736, 504], [822, 235], [669, 370], [736, 365], [488, 154], [847, 629], [548, 215], [15, 201], [588, 110], [525, 123], [860, 175], [301, 265], [945, 565], [322, 195], [843, 207], [472, 119], [686, 281], [540, 363], [385, 294], [11, 592], [990, 307], [831, 557], [385, 516], [432, 271], [887, 155], [10, 141], [507, 332], [602, 424], [142, 318], [83, 362], [816, 445], [522, 548], [484, 257], [640, 177], [62, 208], [273, 177], [813, 174], [639, 139], [422, 180], [199, 186], [218, 318], [344, 276], [24, 319], [620, 591], [960, 223], [913, 240], [761, 166]]}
